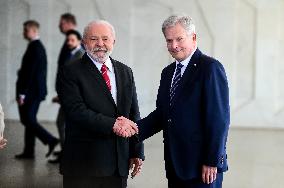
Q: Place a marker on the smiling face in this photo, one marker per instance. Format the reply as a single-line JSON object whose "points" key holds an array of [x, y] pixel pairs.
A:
{"points": [[99, 41], [180, 44]]}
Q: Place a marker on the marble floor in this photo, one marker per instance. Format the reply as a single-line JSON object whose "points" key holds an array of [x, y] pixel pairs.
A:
{"points": [[255, 158]]}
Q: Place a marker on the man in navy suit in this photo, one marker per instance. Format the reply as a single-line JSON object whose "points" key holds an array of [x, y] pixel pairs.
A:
{"points": [[192, 109], [31, 90]]}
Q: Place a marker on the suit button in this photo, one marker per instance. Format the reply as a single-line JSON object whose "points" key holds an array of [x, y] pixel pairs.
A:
{"points": [[169, 120]]}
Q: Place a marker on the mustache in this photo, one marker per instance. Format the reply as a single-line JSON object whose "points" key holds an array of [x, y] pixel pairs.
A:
{"points": [[99, 49]]}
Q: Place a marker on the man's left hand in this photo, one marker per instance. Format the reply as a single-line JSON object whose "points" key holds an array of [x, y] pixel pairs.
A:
{"points": [[209, 174], [136, 165], [20, 101]]}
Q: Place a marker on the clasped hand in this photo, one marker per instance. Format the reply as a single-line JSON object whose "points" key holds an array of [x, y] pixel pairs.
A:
{"points": [[125, 127]]}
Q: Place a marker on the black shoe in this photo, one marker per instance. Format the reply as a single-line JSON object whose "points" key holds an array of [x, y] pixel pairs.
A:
{"points": [[51, 147], [24, 156], [55, 161]]}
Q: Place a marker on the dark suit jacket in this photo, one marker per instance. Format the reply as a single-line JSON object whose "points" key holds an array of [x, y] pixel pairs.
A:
{"points": [[195, 127], [76, 56], [64, 54], [31, 80], [91, 148], [63, 57]]}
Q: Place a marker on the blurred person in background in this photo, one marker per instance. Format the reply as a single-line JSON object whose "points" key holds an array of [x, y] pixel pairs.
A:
{"points": [[73, 41], [31, 90], [67, 22], [3, 141]]}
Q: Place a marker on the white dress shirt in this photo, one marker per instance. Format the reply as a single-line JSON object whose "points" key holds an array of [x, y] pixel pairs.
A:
{"points": [[111, 75], [73, 52]]}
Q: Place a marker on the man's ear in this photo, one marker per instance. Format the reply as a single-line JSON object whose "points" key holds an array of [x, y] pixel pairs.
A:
{"points": [[194, 37]]}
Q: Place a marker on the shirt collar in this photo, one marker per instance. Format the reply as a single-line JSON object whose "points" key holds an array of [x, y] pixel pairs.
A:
{"points": [[186, 61], [36, 38], [99, 65], [76, 49]]}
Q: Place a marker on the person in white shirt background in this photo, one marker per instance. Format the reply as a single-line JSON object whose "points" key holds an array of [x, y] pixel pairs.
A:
{"points": [[3, 141]]}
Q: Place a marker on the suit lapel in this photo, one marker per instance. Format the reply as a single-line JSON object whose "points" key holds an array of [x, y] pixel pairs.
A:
{"points": [[189, 74], [98, 77], [119, 83], [168, 80]]}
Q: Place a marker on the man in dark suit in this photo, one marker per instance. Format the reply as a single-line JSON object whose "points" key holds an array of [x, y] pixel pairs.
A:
{"points": [[31, 90], [67, 22], [192, 109], [93, 92], [73, 41]]}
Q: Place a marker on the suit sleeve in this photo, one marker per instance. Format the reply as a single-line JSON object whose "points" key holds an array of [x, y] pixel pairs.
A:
{"points": [[29, 70], [217, 115], [75, 108], [136, 147], [152, 124]]}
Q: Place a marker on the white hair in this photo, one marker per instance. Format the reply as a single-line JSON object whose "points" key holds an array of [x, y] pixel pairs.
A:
{"points": [[185, 21], [95, 22]]}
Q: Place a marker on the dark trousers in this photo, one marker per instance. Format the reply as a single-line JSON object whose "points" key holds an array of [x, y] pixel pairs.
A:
{"points": [[174, 182], [60, 123], [94, 182], [33, 129]]}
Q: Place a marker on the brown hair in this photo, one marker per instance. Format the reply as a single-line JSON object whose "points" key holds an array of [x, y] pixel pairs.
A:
{"points": [[31, 23], [69, 18]]}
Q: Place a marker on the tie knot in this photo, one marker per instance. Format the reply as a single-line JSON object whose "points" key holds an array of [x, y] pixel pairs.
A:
{"points": [[104, 68], [179, 65]]}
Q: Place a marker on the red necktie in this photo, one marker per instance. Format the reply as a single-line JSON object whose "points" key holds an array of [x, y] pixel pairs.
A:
{"points": [[105, 76]]}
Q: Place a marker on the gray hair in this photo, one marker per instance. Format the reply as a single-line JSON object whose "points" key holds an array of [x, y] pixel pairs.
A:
{"points": [[103, 22], [185, 21]]}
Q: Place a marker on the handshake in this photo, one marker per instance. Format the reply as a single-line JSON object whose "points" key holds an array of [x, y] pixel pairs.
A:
{"points": [[125, 127]]}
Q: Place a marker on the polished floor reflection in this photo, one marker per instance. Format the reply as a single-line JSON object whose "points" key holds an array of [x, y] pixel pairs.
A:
{"points": [[255, 158]]}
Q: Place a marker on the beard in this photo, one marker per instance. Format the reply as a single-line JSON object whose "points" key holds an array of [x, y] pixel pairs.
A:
{"points": [[100, 57]]}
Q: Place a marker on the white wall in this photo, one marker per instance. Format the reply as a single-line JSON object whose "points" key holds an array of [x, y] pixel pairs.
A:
{"points": [[247, 36]]}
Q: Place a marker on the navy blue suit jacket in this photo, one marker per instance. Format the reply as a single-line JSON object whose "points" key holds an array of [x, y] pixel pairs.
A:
{"points": [[195, 127], [31, 80]]}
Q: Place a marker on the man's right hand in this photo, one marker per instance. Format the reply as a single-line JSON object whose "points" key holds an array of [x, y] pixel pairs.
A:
{"points": [[125, 127], [3, 142]]}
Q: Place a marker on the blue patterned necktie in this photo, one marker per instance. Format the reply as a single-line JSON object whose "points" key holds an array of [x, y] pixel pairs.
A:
{"points": [[175, 83]]}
